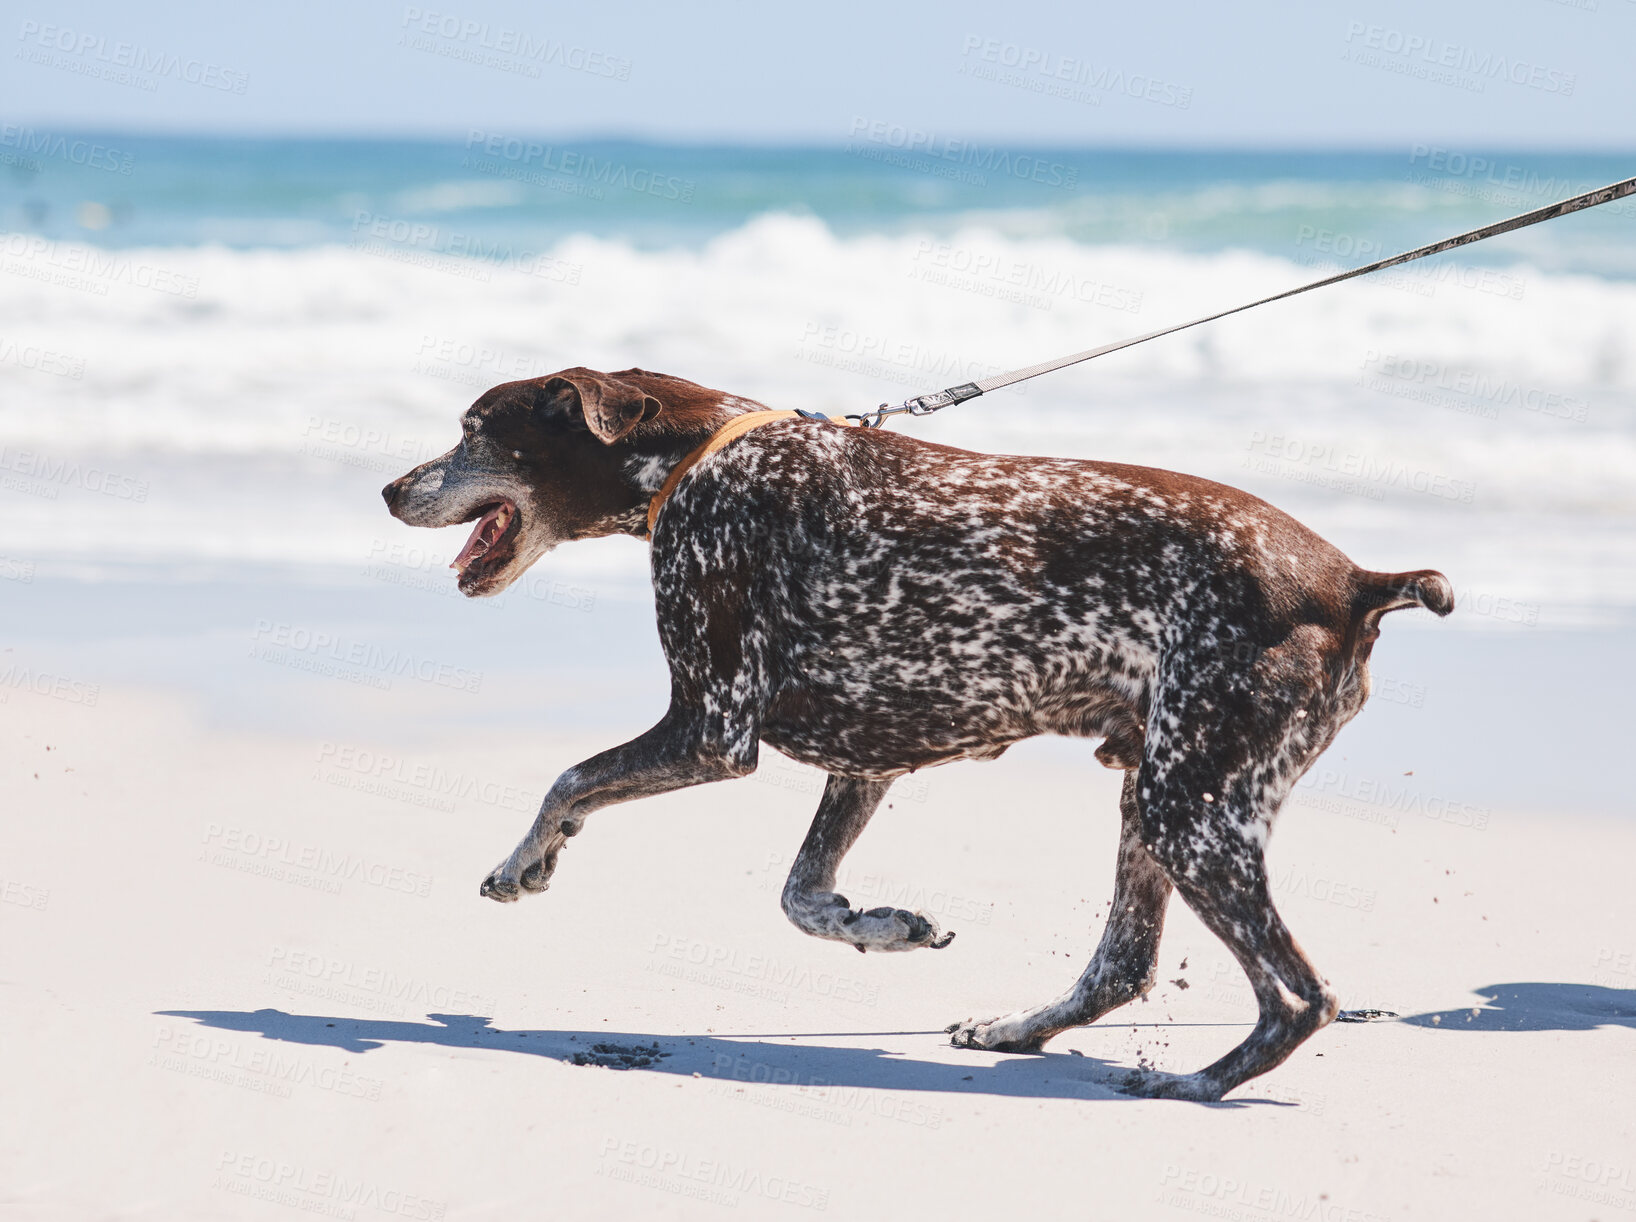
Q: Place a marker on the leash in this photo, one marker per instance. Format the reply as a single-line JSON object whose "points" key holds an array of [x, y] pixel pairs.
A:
{"points": [[925, 405]]}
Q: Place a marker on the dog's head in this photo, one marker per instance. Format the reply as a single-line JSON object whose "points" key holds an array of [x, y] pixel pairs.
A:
{"points": [[539, 462]]}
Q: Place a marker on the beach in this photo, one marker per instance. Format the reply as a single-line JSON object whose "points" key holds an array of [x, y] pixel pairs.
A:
{"points": [[251, 971], [260, 753]]}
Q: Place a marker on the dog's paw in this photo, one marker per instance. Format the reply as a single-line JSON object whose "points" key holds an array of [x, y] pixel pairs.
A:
{"points": [[825, 914], [499, 888], [1153, 1084], [992, 1035], [511, 880], [891, 929]]}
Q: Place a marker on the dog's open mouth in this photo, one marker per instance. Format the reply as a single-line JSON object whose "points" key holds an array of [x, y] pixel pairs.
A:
{"points": [[491, 545]]}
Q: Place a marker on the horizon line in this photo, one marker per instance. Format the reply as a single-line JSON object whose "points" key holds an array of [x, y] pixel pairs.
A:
{"points": [[807, 143]]}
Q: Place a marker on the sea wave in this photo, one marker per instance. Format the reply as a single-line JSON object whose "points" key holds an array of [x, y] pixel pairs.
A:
{"points": [[1487, 408]]}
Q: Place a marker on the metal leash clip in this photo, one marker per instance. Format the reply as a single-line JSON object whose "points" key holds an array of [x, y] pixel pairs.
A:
{"points": [[921, 405]]}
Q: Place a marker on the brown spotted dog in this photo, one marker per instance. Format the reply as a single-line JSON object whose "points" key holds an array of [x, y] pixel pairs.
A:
{"points": [[871, 604]]}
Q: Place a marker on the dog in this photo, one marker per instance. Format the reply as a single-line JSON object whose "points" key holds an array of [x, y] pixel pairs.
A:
{"points": [[872, 604]]}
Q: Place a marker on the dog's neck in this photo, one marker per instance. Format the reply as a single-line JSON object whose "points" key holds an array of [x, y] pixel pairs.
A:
{"points": [[653, 456]]}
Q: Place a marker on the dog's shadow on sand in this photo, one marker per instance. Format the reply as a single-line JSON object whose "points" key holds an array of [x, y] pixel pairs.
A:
{"points": [[787, 1060], [793, 1060], [1536, 1006]]}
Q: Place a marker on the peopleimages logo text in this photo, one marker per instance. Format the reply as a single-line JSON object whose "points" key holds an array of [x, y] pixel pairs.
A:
{"points": [[1479, 65], [912, 141], [295, 639], [87, 153], [504, 40], [129, 55], [56, 470], [532, 157]]}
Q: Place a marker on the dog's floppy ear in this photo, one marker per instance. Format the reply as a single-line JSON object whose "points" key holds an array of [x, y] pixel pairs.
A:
{"points": [[607, 406]]}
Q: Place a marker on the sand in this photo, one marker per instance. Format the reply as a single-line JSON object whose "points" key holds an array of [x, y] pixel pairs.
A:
{"points": [[246, 971]]}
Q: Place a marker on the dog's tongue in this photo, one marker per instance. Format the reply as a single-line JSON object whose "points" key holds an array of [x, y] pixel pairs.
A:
{"points": [[483, 535]]}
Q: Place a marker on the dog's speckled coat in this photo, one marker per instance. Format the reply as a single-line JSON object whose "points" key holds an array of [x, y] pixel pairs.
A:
{"points": [[871, 604]]}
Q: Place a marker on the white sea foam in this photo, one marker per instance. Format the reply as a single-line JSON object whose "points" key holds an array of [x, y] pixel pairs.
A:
{"points": [[1479, 420]]}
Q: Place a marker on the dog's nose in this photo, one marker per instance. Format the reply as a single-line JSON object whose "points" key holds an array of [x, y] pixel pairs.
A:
{"points": [[391, 491]]}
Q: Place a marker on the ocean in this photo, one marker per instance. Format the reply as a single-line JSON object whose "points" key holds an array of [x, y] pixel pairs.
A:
{"points": [[213, 353]]}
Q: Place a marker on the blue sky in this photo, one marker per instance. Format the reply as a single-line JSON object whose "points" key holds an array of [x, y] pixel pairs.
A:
{"points": [[1515, 73]]}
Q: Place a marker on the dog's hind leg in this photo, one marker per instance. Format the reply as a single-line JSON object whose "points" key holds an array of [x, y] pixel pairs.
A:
{"points": [[1222, 875], [810, 900], [1212, 780], [1125, 962]]}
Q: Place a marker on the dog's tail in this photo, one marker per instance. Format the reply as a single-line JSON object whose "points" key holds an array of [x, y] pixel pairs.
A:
{"points": [[1378, 593], [1374, 594]]}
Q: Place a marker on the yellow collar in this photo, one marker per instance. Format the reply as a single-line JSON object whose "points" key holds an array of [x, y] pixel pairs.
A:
{"points": [[734, 428]]}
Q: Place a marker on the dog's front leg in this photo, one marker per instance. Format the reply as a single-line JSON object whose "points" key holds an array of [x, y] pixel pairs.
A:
{"points": [[810, 900], [681, 750]]}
